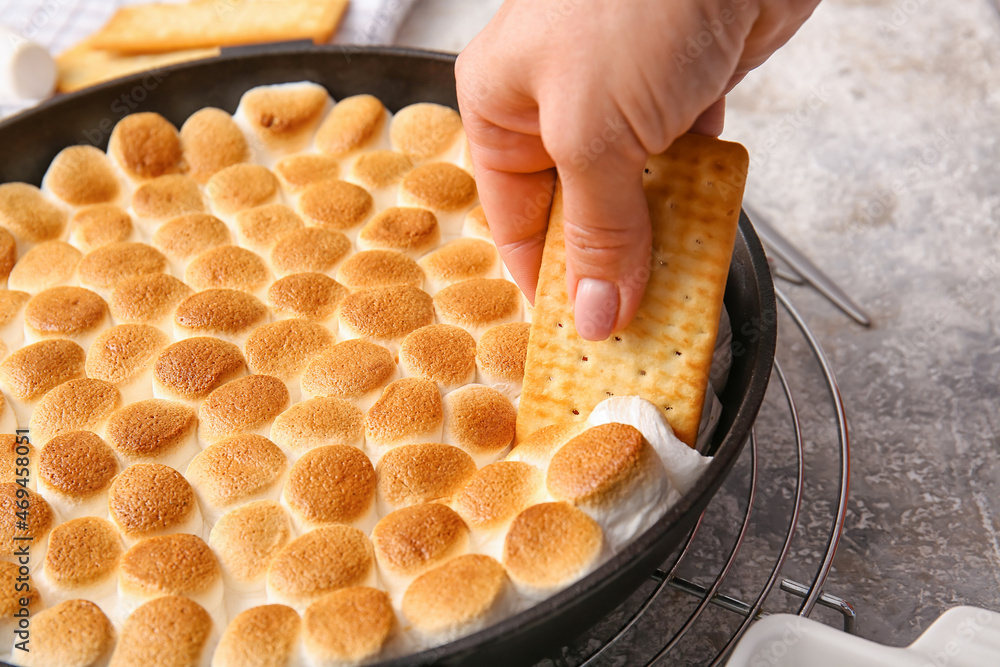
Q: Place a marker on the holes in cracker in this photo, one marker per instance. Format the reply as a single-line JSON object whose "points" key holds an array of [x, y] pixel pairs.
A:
{"points": [[642, 372], [677, 352], [583, 358], [575, 411], [559, 324]]}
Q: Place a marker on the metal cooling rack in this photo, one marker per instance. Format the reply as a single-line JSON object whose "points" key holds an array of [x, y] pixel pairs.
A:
{"points": [[794, 475]]}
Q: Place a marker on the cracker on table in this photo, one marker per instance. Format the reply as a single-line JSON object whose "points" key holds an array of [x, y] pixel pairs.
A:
{"points": [[694, 191], [81, 66], [158, 28]]}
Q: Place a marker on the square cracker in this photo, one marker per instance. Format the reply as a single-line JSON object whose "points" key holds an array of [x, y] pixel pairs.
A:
{"points": [[81, 66], [694, 191], [158, 28]]}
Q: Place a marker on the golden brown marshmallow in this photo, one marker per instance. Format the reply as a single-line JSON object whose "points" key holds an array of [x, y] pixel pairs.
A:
{"points": [[153, 430], [297, 172], [240, 187], [235, 470], [29, 216], [146, 145], [150, 499], [409, 230], [309, 250], [106, 268], [334, 484], [317, 422], [421, 473], [260, 228], [228, 267], [185, 237], [441, 353], [150, 299], [409, 411], [191, 369], [222, 312], [336, 205], [264, 636], [379, 268], [75, 405], [46, 265], [246, 405], [425, 131], [166, 197], [349, 626], [385, 314], [212, 141], [99, 225], [168, 626], [73, 633], [283, 349], [478, 304], [311, 296], [354, 123], [82, 175], [35, 369], [246, 538]]}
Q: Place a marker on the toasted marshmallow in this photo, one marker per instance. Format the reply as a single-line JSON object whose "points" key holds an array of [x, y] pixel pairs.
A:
{"points": [[109, 266], [413, 231], [190, 369], [245, 540], [409, 411], [247, 405], [12, 305], [549, 546], [478, 304], [96, 226], [476, 225], [311, 296], [297, 172], [281, 118], [259, 229], [539, 447], [82, 562], [318, 422], [123, 355], [27, 374], [29, 216], [237, 470], [441, 353], [148, 500], [354, 124], [264, 636], [150, 299], [421, 473], [351, 626], [321, 561], [76, 405], [380, 172], [500, 357], [154, 431], [165, 197], [683, 464], [241, 187], [14, 530], [17, 459], [384, 315], [458, 598], [480, 420], [355, 370], [335, 205], [11, 598], [283, 349], [492, 500], [74, 632], [309, 250], [75, 471], [416, 539], [427, 132], [447, 190], [212, 141], [82, 175], [8, 255], [613, 474], [458, 260], [183, 238], [166, 626], [146, 145], [46, 265], [225, 313], [334, 484], [379, 268], [228, 267]]}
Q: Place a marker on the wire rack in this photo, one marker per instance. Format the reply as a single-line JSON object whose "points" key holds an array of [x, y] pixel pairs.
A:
{"points": [[776, 523]]}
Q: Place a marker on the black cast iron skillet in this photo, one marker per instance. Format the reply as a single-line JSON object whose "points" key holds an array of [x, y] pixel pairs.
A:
{"points": [[29, 141]]}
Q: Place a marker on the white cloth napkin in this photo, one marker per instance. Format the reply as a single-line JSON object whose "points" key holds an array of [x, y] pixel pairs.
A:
{"points": [[59, 24]]}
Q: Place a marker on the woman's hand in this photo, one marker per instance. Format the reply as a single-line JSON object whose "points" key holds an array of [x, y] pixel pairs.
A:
{"points": [[588, 89]]}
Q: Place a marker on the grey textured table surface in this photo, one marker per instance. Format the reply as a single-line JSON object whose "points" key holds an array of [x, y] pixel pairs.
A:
{"points": [[873, 137]]}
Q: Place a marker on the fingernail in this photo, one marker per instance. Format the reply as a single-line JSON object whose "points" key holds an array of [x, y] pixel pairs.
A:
{"points": [[596, 308]]}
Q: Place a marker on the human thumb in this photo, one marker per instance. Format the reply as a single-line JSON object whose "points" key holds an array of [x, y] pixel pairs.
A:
{"points": [[608, 238]]}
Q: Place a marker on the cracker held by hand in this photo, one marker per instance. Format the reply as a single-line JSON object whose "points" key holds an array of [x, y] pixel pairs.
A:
{"points": [[694, 191], [158, 28]]}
